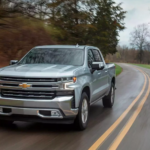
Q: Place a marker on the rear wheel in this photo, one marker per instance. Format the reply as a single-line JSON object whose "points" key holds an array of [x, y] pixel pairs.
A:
{"points": [[108, 100], [81, 120]]}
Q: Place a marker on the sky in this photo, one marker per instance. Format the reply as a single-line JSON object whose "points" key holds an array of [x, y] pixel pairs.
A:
{"points": [[138, 12]]}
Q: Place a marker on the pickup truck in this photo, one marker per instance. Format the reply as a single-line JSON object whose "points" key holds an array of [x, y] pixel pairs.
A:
{"points": [[56, 84]]}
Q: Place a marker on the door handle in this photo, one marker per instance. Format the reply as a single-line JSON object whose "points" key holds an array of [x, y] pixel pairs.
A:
{"points": [[99, 73], [106, 71]]}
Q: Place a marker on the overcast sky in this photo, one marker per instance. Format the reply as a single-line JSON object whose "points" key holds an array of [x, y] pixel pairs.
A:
{"points": [[138, 12]]}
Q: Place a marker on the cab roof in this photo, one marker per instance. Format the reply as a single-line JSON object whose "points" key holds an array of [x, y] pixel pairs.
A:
{"points": [[64, 46]]}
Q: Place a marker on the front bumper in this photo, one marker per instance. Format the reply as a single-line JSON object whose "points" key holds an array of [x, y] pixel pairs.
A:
{"points": [[33, 108], [29, 118]]}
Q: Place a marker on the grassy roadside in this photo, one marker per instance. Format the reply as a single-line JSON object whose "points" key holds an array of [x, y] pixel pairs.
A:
{"points": [[142, 65], [118, 69]]}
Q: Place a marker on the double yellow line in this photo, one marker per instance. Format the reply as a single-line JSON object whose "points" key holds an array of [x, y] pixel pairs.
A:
{"points": [[126, 128]]}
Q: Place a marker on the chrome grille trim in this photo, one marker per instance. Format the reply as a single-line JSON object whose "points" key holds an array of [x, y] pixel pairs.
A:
{"points": [[28, 94], [35, 85], [21, 79], [9, 84], [31, 88]]}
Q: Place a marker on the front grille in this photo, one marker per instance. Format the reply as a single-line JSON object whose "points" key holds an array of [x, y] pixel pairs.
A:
{"points": [[36, 86], [20, 79], [24, 94], [46, 86], [10, 84]]}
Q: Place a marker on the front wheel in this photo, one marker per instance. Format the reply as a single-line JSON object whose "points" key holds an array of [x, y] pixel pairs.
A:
{"points": [[108, 100], [83, 114]]}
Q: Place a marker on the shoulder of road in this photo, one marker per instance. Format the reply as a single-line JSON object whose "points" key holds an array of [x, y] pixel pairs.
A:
{"points": [[142, 65], [118, 69]]}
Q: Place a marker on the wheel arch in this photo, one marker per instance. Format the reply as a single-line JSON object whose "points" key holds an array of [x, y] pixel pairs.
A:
{"points": [[113, 80], [87, 90]]}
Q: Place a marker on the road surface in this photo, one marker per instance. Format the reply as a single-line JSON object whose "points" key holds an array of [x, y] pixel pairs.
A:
{"points": [[124, 127]]}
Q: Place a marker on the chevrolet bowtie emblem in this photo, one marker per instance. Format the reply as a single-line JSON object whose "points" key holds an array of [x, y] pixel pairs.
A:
{"points": [[24, 85]]}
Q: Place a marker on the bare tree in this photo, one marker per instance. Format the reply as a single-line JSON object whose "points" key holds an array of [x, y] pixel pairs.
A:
{"points": [[139, 39], [147, 46]]}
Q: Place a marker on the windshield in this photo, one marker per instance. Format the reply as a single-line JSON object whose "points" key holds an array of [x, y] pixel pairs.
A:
{"points": [[59, 56]]}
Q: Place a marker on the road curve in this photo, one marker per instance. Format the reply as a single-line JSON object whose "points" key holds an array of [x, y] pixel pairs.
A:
{"points": [[29, 136]]}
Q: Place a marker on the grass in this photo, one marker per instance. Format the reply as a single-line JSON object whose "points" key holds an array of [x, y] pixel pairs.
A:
{"points": [[118, 69], [142, 65]]}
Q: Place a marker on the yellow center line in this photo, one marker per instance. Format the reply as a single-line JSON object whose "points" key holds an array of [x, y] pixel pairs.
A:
{"points": [[126, 128], [100, 141]]}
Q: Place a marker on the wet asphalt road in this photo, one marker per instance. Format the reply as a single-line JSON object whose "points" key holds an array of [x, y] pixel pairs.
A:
{"points": [[29, 136]]}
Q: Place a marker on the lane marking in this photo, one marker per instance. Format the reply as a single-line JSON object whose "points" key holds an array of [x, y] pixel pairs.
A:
{"points": [[107, 133], [132, 119]]}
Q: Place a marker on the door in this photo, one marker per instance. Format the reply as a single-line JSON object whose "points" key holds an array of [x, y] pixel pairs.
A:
{"points": [[94, 78], [102, 82]]}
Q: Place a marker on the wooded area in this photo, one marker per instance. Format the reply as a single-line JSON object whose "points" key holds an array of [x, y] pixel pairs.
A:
{"points": [[128, 55], [25, 24], [139, 50]]}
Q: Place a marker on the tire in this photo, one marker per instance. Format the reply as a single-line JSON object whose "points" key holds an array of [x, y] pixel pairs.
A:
{"points": [[81, 120], [108, 100]]}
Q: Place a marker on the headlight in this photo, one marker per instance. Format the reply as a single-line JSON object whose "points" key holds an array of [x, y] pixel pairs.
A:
{"points": [[68, 82], [66, 85], [68, 79]]}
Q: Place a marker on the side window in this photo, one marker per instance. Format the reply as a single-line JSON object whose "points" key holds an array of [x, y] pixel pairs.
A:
{"points": [[97, 56], [90, 58]]}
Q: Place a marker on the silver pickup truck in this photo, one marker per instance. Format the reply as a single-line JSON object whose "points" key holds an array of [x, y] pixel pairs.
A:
{"points": [[56, 84]]}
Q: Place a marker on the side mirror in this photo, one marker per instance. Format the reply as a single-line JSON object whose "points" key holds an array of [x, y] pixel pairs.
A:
{"points": [[12, 62], [97, 66]]}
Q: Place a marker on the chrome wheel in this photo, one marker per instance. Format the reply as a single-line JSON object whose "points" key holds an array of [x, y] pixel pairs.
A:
{"points": [[84, 111], [112, 95]]}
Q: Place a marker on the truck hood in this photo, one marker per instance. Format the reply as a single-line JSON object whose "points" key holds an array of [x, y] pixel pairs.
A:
{"points": [[39, 70]]}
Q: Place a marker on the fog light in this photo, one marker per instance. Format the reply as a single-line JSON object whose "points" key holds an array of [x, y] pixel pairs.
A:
{"points": [[45, 112], [54, 113]]}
